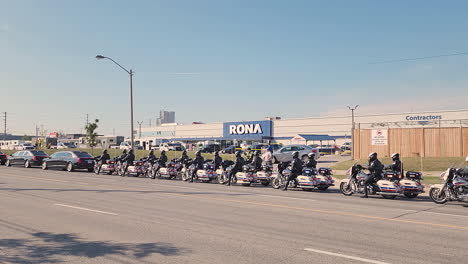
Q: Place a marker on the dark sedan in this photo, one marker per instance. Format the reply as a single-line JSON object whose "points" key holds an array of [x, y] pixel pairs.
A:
{"points": [[69, 160], [26, 158], [3, 158]]}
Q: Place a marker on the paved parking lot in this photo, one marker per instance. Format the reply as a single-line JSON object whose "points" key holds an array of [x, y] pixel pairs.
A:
{"points": [[55, 216]]}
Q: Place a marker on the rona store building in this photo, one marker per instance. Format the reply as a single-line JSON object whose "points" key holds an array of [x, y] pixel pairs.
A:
{"points": [[314, 130]]}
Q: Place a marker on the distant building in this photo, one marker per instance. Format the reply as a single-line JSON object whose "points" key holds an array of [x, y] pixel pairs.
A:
{"points": [[165, 117]]}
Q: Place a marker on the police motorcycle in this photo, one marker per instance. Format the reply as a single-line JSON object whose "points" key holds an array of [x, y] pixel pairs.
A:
{"points": [[453, 188], [325, 179], [279, 180], [410, 186], [247, 176], [388, 187], [109, 167], [208, 173], [136, 169], [223, 172], [308, 180], [168, 172], [187, 170], [264, 176]]}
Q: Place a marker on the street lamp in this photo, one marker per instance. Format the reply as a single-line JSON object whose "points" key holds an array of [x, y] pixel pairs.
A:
{"points": [[130, 72], [352, 128]]}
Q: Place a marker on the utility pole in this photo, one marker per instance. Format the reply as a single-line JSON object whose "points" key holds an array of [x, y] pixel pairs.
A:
{"points": [[139, 125], [5, 125], [149, 122], [352, 128], [87, 119]]}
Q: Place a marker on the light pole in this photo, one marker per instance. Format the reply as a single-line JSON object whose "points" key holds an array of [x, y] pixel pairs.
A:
{"points": [[352, 128], [130, 72]]}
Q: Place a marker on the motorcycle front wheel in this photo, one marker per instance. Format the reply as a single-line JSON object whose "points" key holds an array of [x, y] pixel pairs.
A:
{"points": [[346, 189], [276, 183], [438, 196], [222, 179]]}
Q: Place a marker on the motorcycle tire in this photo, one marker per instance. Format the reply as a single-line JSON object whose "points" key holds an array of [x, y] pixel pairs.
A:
{"points": [[275, 183], [346, 189], [221, 179], [96, 170], [434, 195], [233, 180], [265, 183]]}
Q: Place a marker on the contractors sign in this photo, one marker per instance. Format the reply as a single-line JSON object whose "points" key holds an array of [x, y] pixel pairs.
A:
{"points": [[379, 137], [247, 130]]}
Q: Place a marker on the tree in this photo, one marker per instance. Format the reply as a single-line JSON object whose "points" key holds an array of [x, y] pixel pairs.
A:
{"points": [[26, 138], [91, 134]]}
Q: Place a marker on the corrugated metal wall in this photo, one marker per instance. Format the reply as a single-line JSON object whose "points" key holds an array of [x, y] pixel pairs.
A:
{"points": [[414, 142]]}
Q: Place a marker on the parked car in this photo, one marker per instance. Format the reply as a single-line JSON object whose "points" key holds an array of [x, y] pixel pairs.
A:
{"points": [[284, 154], [24, 146], [3, 158], [231, 149], [28, 158], [170, 147], [69, 160], [125, 145], [210, 148]]}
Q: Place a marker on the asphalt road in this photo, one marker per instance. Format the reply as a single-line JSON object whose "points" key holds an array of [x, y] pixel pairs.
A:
{"points": [[60, 217]]}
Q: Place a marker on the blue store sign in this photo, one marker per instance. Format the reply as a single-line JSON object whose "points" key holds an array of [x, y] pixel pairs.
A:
{"points": [[247, 130]]}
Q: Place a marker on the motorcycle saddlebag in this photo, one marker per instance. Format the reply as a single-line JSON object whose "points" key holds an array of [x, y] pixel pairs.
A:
{"points": [[414, 175]]}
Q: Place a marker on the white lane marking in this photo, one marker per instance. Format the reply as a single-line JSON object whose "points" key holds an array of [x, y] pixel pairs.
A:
{"points": [[345, 256], [86, 209], [286, 197]]}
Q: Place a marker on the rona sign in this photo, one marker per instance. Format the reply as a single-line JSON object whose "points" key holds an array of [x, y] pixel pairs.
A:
{"points": [[247, 130]]}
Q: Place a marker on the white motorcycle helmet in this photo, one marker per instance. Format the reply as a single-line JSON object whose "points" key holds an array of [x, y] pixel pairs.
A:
{"points": [[466, 159]]}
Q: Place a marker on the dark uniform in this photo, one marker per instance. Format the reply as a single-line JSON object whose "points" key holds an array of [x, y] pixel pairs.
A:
{"points": [[103, 160], [375, 168], [198, 162], [296, 169], [237, 167], [217, 160]]}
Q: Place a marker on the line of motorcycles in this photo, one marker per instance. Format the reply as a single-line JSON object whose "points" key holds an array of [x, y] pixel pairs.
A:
{"points": [[392, 184], [310, 179]]}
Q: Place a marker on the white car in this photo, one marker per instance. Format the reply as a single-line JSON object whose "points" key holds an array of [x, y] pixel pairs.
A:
{"points": [[284, 154], [125, 145], [170, 147], [24, 146]]}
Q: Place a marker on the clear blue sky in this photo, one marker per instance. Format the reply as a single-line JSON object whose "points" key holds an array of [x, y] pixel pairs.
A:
{"points": [[213, 60]]}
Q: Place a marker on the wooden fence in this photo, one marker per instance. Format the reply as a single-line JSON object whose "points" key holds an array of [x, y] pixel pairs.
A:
{"points": [[414, 142]]}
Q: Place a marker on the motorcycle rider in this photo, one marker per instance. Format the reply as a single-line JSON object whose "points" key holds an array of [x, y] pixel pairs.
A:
{"points": [[311, 162], [151, 155], [129, 159], [123, 156], [396, 166], [217, 160], [198, 162], [103, 159], [163, 159], [184, 158], [375, 168], [296, 169], [256, 161], [237, 166]]}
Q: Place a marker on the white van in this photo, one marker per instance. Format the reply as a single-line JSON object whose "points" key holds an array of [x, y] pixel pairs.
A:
{"points": [[125, 145]]}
